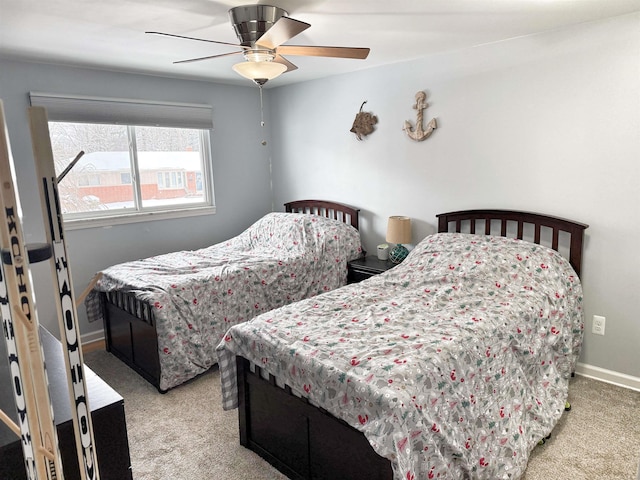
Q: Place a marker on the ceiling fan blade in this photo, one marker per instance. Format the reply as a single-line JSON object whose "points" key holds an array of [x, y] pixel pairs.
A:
{"points": [[197, 39], [315, 51], [190, 60], [281, 31], [290, 66]]}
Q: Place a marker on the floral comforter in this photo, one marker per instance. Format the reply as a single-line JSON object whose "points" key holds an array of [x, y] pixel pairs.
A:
{"points": [[197, 295], [454, 363]]}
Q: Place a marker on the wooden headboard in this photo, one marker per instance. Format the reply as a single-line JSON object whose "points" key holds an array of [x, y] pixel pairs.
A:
{"points": [[324, 208], [468, 220]]}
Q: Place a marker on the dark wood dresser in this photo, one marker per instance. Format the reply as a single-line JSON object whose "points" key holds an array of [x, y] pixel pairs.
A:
{"points": [[107, 413]]}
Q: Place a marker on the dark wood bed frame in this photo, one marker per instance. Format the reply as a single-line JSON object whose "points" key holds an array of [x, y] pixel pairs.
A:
{"points": [[489, 218], [306, 442], [337, 211], [130, 326]]}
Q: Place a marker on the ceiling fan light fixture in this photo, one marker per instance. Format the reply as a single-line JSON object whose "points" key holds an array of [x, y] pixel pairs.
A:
{"points": [[259, 55], [259, 70]]}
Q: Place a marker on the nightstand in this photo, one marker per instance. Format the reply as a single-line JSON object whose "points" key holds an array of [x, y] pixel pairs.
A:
{"points": [[363, 268]]}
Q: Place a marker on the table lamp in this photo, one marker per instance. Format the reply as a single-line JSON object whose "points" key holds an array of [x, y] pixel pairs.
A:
{"points": [[399, 232]]}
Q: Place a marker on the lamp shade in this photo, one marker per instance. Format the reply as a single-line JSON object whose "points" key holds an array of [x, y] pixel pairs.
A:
{"points": [[259, 70], [399, 230]]}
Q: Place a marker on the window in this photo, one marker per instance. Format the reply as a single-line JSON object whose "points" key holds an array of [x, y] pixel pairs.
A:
{"points": [[86, 179], [131, 167], [174, 180]]}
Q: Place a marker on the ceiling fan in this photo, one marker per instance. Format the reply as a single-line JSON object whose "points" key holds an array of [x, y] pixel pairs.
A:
{"points": [[262, 30]]}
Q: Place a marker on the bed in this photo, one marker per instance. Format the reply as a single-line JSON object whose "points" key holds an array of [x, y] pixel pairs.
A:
{"points": [[453, 364], [163, 316]]}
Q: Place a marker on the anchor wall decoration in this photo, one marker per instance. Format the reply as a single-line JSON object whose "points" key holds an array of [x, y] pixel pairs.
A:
{"points": [[420, 134]]}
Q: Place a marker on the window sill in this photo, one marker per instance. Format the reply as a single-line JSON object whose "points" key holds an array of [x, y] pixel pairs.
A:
{"points": [[109, 221]]}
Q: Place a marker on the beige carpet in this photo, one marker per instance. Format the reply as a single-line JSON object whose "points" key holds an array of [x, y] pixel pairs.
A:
{"points": [[185, 434]]}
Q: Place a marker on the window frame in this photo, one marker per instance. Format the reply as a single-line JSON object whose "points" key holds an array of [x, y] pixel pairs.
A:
{"points": [[131, 114]]}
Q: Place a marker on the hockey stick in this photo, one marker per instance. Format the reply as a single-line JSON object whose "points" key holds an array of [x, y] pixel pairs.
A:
{"points": [[88, 289], [23, 430], [10, 423], [70, 166], [67, 314]]}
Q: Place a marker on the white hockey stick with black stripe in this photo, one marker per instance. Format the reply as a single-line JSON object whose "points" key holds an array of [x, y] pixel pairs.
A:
{"points": [[66, 305], [38, 433], [22, 428]]}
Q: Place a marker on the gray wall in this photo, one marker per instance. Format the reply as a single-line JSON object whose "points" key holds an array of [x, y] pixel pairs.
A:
{"points": [[240, 169], [547, 123]]}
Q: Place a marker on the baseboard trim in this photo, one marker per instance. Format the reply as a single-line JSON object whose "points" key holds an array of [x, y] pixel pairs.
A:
{"points": [[92, 337], [92, 341], [608, 376]]}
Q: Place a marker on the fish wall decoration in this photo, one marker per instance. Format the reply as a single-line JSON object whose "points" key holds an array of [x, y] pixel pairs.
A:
{"points": [[364, 122]]}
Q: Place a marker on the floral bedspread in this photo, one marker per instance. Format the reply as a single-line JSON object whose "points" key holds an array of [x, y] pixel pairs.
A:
{"points": [[454, 363], [197, 295]]}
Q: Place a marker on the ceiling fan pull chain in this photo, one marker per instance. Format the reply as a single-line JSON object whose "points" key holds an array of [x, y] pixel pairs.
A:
{"points": [[261, 112], [264, 142]]}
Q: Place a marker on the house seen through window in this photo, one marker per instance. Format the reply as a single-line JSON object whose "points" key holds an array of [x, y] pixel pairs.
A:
{"points": [[129, 169]]}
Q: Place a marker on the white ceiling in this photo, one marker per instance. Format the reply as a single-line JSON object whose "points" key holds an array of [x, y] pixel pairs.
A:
{"points": [[110, 34]]}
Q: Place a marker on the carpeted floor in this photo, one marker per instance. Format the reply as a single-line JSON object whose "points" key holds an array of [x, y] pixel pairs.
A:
{"points": [[185, 434]]}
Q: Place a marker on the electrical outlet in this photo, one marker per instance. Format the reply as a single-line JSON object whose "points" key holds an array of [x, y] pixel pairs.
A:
{"points": [[598, 325]]}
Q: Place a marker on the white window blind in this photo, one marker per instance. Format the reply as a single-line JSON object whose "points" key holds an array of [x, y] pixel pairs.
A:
{"points": [[114, 111]]}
